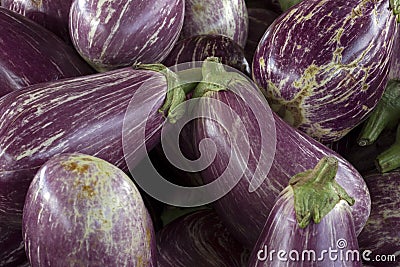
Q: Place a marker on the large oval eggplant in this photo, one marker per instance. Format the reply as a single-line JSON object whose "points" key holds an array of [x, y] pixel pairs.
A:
{"points": [[198, 48], [51, 14], [199, 239], [381, 234], [30, 54], [284, 241], [83, 211], [326, 56], [110, 34], [85, 115], [245, 212], [224, 17]]}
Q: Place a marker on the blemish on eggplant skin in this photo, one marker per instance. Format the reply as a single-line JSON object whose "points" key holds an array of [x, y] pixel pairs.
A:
{"points": [[75, 167], [262, 63]]}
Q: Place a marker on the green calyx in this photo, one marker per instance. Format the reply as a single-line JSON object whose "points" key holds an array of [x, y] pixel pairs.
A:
{"points": [[316, 192], [176, 93], [390, 159], [385, 115], [395, 6], [286, 4]]}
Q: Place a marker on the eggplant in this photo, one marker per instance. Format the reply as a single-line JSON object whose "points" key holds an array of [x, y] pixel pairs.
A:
{"points": [[245, 208], [324, 56], [394, 72], [381, 234], [51, 14], [83, 211], [259, 21], [199, 239], [85, 115], [111, 35], [30, 54], [224, 17], [311, 224], [198, 48]]}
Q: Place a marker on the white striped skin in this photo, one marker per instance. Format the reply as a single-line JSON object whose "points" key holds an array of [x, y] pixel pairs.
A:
{"points": [[83, 211], [224, 17], [109, 34]]}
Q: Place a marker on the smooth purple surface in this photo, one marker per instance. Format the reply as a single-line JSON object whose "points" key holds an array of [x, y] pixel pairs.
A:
{"points": [[281, 232], [198, 48], [51, 14], [83, 115], [83, 211], [30, 54], [245, 213], [381, 234], [324, 65], [224, 17], [12, 252], [199, 239], [110, 34]]}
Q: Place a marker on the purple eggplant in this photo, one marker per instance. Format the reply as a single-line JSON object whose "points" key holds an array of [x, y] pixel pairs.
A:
{"points": [[323, 66], [259, 21], [394, 72], [83, 115], [83, 211], [224, 17], [381, 234], [51, 14], [112, 35], [198, 48], [245, 212], [30, 54], [311, 224], [199, 239]]}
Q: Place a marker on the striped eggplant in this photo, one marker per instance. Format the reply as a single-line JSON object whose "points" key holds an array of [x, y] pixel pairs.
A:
{"points": [[99, 220], [245, 212], [111, 34], [51, 14], [259, 21], [381, 234], [83, 115], [199, 239], [394, 72], [325, 56], [30, 54], [311, 224], [225, 17], [198, 48]]}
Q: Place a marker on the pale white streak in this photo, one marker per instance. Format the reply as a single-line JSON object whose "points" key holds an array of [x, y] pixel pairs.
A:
{"points": [[153, 38], [46, 143]]}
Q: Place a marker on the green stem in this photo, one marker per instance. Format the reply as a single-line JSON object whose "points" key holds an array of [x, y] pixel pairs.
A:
{"points": [[286, 4], [390, 159], [316, 192], [395, 6], [386, 114]]}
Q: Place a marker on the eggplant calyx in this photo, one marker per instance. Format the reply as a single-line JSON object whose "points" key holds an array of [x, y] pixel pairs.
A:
{"points": [[385, 115], [316, 192], [395, 6], [176, 93], [390, 158]]}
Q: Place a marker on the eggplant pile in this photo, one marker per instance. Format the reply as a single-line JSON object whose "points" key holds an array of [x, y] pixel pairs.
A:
{"points": [[285, 124]]}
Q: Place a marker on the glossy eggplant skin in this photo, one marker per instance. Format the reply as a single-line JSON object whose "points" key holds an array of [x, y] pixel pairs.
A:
{"points": [[30, 54], [199, 239], [224, 17], [326, 55], [244, 212], [51, 14], [282, 232], [112, 35], [99, 218], [83, 115], [198, 48], [381, 234]]}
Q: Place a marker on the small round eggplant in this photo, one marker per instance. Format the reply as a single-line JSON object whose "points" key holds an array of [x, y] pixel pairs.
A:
{"points": [[225, 17], [199, 239], [83, 211], [324, 66], [111, 34], [381, 234], [198, 48], [51, 14]]}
